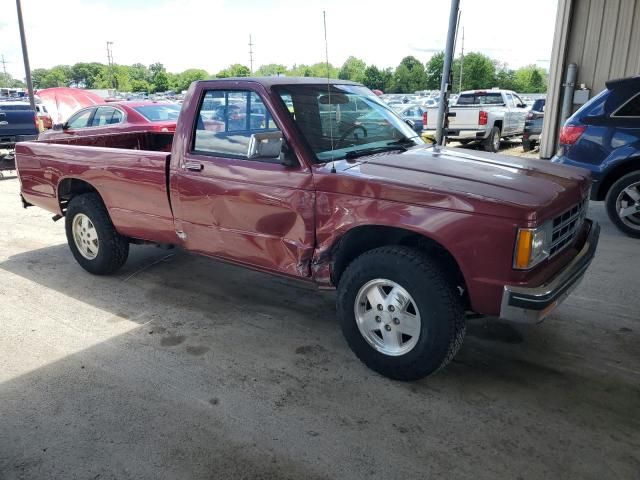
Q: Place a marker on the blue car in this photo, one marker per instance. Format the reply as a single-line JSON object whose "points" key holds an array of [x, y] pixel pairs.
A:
{"points": [[604, 137]]}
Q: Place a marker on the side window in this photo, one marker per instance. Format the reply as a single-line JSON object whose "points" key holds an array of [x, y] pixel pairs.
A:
{"points": [[102, 117], [80, 119], [117, 116], [510, 101], [630, 109], [227, 119], [517, 100]]}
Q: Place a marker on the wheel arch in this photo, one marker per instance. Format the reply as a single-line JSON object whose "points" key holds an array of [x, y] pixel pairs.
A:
{"points": [[70, 187], [363, 238], [630, 165]]}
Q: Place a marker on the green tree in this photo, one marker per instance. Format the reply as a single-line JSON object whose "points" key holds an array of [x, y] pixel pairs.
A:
{"points": [[272, 69], [7, 80], [478, 71], [410, 76], [37, 77], [85, 75], [531, 79], [353, 69], [235, 70], [433, 71], [373, 78], [58, 76], [186, 78], [505, 77]]}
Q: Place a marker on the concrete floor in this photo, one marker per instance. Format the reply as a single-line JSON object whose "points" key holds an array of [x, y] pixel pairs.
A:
{"points": [[180, 367]]}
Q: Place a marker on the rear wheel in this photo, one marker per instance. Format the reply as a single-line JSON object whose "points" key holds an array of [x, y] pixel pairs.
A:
{"points": [[492, 142], [91, 236], [527, 145], [623, 204], [399, 313]]}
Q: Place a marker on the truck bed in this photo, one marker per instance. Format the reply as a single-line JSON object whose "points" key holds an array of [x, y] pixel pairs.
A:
{"points": [[128, 170]]}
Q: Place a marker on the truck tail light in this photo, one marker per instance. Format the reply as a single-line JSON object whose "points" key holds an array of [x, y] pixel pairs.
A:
{"points": [[425, 116], [569, 134], [482, 117]]}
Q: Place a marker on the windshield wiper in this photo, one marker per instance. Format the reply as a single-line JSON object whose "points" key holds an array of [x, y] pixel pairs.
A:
{"points": [[370, 151]]}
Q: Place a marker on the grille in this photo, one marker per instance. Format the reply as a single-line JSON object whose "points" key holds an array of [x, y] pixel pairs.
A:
{"points": [[566, 226]]}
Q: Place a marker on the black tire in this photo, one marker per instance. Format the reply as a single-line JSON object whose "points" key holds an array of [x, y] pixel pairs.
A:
{"points": [[527, 145], [611, 199], [442, 315], [113, 248], [490, 143]]}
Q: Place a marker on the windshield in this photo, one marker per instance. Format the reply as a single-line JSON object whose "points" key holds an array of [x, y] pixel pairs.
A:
{"points": [[159, 112], [341, 121]]}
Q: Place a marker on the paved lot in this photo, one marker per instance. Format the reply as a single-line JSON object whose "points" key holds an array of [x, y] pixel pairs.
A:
{"points": [[180, 367]]}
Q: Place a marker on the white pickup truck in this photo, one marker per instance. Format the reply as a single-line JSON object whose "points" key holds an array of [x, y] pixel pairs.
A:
{"points": [[482, 115]]}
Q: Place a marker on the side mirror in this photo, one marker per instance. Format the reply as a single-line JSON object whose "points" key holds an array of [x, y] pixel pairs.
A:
{"points": [[58, 126], [522, 105], [410, 122], [265, 145]]}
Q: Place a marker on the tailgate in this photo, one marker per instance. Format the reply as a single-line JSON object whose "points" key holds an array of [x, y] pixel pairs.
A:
{"points": [[466, 118], [17, 122]]}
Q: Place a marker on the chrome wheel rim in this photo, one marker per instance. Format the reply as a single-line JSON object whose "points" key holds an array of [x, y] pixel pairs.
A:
{"points": [[496, 142], [628, 206], [85, 236], [388, 317]]}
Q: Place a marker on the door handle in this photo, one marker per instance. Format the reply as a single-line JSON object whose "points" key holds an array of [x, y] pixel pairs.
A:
{"points": [[193, 166]]}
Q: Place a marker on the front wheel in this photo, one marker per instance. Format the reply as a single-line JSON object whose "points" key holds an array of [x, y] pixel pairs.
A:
{"points": [[623, 204], [92, 238], [399, 313]]}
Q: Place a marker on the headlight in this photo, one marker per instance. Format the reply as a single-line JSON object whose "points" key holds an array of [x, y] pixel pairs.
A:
{"points": [[532, 246]]}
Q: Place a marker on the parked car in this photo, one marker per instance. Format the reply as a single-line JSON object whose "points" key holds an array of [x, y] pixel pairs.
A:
{"points": [[43, 116], [116, 117], [412, 236], [415, 114], [533, 125], [17, 122], [603, 136], [486, 116]]}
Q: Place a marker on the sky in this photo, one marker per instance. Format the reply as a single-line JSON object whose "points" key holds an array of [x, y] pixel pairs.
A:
{"points": [[212, 34]]}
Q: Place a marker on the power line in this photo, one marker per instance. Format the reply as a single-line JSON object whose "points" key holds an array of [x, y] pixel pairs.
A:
{"points": [[4, 69]]}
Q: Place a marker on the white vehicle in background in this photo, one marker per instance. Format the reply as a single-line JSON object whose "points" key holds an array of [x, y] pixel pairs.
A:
{"points": [[486, 116]]}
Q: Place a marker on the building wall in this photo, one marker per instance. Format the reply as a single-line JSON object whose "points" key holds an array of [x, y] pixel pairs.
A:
{"points": [[602, 37]]}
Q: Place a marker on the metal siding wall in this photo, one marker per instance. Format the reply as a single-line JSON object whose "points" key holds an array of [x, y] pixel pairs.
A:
{"points": [[604, 41]]}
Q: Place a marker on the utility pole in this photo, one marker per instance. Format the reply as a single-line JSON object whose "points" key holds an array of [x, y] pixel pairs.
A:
{"points": [[461, 61], [110, 63], [25, 57], [4, 69], [445, 85], [251, 44]]}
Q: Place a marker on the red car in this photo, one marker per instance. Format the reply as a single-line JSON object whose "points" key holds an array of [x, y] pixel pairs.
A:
{"points": [[117, 117]]}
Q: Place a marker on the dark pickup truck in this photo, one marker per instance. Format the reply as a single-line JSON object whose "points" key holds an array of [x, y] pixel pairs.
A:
{"points": [[331, 187], [17, 122]]}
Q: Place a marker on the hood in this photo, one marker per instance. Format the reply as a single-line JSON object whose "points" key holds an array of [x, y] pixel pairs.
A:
{"points": [[476, 182]]}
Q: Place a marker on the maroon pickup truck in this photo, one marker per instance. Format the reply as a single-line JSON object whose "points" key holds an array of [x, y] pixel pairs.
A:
{"points": [[321, 181]]}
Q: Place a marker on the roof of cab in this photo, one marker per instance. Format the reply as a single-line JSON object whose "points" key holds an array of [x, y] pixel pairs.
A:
{"points": [[619, 82], [270, 81]]}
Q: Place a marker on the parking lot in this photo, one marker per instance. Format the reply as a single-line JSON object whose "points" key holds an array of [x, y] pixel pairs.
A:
{"points": [[183, 367]]}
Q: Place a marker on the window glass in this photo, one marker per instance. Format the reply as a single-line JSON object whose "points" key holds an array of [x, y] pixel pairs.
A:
{"points": [[159, 112], [631, 108], [480, 98], [117, 116], [227, 119], [102, 117], [345, 121], [80, 119], [517, 100]]}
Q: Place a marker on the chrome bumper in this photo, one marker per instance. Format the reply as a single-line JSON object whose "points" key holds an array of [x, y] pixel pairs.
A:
{"points": [[533, 304]]}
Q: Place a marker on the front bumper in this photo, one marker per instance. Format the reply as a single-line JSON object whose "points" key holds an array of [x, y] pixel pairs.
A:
{"points": [[533, 304]]}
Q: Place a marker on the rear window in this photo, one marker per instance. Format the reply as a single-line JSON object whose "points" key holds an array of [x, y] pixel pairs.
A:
{"points": [[631, 108], [159, 112], [480, 98]]}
